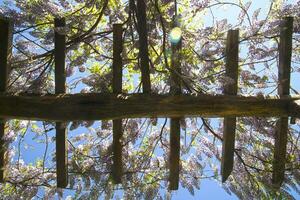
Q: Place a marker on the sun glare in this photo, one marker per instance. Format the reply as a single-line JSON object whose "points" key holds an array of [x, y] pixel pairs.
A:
{"points": [[175, 35]]}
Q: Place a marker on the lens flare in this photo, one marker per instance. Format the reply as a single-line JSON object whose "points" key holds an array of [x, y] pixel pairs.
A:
{"points": [[175, 35]]}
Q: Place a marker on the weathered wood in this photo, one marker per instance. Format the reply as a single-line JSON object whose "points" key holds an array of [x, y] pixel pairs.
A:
{"points": [[59, 55], [228, 147], [232, 59], [60, 88], [175, 89], [280, 151], [284, 70], [6, 27], [117, 58], [3, 151], [61, 155], [143, 45], [174, 157], [285, 55], [117, 167], [117, 89], [97, 106]]}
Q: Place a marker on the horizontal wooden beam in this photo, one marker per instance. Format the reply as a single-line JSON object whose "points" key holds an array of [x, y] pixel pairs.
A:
{"points": [[97, 106]]}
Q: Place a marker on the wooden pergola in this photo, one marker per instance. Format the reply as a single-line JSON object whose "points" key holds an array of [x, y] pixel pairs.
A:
{"points": [[61, 107]]}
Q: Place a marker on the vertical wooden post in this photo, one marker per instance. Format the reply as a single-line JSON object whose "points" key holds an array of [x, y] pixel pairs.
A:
{"points": [[143, 45], [6, 35], [284, 70], [232, 59], [174, 157], [60, 88], [60, 55], [175, 88], [6, 28], [117, 88]]}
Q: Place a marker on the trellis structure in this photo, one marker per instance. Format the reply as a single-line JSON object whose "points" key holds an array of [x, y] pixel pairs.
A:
{"points": [[61, 107]]}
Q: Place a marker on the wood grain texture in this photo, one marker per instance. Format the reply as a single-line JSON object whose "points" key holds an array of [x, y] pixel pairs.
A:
{"points": [[284, 71], [143, 45], [93, 106], [117, 166], [232, 62], [228, 147], [232, 59], [59, 55], [61, 155], [285, 55], [280, 151], [117, 58], [174, 157], [60, 88], [6, 29]]}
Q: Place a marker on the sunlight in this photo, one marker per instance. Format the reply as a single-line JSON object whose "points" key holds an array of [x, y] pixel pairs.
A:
{"points": [[175, 35]]}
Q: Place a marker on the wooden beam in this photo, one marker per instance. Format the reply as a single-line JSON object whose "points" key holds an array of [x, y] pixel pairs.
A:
{"points": [[232, 64], [284, 71], [61, 155], [280, 151], [143, 45], [3, 150], [228, 147], [60, 88], [285, 55], [60, 55], [175, 89], [97, 106], [117, 166], [174, 157], [6, 27], [117, 58]]}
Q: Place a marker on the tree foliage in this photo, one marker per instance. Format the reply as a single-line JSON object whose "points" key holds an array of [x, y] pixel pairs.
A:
{"points": [[204, 26]]}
